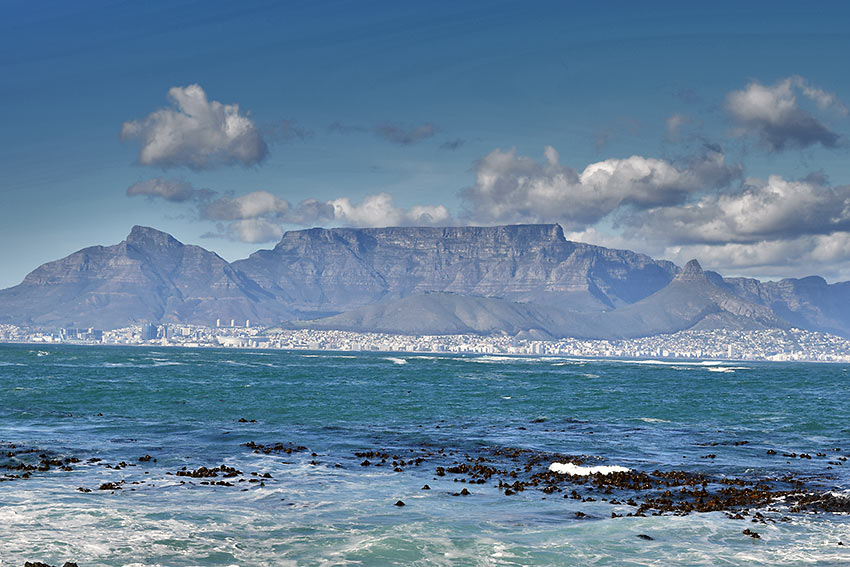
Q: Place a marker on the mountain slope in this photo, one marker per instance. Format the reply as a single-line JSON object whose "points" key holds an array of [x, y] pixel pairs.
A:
{"points": [[694, 299], [326, 271], [807, 303], [442, 313], [150, 276]]}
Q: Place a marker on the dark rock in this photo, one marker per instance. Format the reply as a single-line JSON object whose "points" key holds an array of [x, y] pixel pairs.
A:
{"points": [[646, 537], [399, 503]]}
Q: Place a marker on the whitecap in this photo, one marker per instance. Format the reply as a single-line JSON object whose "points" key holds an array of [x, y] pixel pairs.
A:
{"points": [[576, 470], [395, 360], [653, 420]]}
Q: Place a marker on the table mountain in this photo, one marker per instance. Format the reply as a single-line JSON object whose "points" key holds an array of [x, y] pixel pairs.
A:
{"points": [[694, 299], [418, 280], [323, 271]]}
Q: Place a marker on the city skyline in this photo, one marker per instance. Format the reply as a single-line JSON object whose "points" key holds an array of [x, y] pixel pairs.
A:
{"points": [[720, 135]]}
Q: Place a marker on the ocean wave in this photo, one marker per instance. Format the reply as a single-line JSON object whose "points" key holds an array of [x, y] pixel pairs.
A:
{"points": [[577, 470], [496, 359], [653, 362], [395, 360]]}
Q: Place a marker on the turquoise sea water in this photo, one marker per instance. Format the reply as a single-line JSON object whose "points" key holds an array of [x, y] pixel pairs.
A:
{"points": [[321, 507]]}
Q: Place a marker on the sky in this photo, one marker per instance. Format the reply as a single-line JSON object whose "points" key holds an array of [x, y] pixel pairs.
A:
{"points": [[682, 130]]}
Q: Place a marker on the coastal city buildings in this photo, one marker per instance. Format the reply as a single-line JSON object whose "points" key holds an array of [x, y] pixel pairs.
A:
{"points": [[768, 344]]}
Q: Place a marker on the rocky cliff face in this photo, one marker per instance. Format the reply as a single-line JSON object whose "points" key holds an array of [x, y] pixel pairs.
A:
{"points": [[322, 271], [150, 276]]}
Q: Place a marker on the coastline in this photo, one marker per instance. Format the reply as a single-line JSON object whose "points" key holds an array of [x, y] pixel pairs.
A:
{"points": [[649, 360]]}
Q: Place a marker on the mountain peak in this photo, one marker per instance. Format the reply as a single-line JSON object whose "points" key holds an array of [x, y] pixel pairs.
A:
{"points": [[691, 272], [146, 237]]}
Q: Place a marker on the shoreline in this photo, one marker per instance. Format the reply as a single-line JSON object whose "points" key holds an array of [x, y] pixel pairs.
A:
{"points": [[582, 358]]}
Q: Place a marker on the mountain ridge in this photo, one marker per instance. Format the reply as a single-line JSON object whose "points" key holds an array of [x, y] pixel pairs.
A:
{"points": [[512, 278]]}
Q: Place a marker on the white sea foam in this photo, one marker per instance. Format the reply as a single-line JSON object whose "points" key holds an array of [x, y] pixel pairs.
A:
{"points": [[725, 369], [576, 470], [495, 359], [653, 420], [395, 360], [653, 362]]}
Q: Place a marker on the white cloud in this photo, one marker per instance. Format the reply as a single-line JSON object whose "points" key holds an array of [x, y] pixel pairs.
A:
{"points": [[762, 210], [513, 188], [259, 216], [773, 115], [823, 254], [254, 230], [196, 133], [168, 189], [379, 210], [249, 206]]}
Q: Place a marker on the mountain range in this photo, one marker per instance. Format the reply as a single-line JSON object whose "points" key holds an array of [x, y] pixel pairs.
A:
{"points": [[518, 279]]}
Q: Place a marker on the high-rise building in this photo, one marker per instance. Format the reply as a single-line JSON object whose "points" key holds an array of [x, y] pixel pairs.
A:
{"points": [[148, 332]]}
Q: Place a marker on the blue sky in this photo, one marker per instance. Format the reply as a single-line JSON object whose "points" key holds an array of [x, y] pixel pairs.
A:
{"points": [[680, 130]]}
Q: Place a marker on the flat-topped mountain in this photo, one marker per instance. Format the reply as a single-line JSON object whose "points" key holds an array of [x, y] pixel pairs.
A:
{"points": [[512, 279], [322, 271]]}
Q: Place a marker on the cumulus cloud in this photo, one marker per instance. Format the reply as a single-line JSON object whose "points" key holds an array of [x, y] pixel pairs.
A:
{"points": [[197, 133], [514, 188], [822, 254], [254, 230], [259, 216], [379, 210], [249, 206], [764, 210], [168, 189], [773, 114], [404, 135]]}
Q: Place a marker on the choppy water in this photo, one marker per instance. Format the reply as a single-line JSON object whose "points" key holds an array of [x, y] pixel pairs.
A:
{"points": [[183, 408]]}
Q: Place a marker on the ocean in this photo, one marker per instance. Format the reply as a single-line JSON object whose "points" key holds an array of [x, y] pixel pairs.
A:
{"points": [[182, 457]]}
